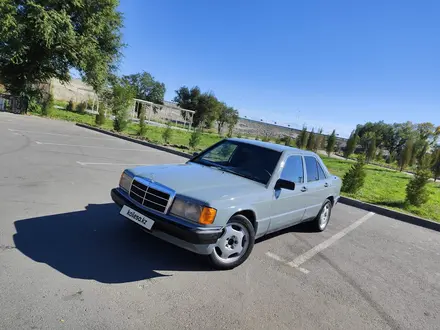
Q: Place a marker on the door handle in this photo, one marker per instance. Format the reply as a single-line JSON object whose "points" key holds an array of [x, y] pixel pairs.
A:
{"points": [[303, 189], [326, 184]]}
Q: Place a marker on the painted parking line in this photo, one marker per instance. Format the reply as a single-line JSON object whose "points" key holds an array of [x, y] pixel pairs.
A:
{"points": [[95, 147], [298, 261], [279, 259], [59, 134]]}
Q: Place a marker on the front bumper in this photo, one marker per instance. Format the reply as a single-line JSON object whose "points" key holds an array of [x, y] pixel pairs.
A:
{"points": [[199, 239]]}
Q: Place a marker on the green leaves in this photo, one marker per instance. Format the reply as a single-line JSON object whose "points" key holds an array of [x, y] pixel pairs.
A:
{"points": [[44, 39], [207, 109], [354, 179], [416, 190], [331, 142], [146, 87]]}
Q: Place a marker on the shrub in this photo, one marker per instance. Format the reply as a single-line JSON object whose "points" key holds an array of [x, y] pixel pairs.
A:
{"points": [[266, 138], [142, 126], [354, 179], [47, 105], [167, 134], [287, 140], [81, 107], [435, 164], [416, 190], [70, 106], [195, 138], [121, 99], [100, 117], [278, 140], [121, 120], [34, 106], [331, 141]]}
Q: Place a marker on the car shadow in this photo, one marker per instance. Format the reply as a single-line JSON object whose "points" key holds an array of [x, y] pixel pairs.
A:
{"points": [[303, 227], [98, 244]]}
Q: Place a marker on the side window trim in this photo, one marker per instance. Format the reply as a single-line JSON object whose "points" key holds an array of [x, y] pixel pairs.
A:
{"points": [[304, 172], [317, 172], [322, 170]]}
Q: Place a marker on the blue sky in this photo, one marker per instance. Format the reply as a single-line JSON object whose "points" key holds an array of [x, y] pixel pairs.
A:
{"points": [[328, 63]]}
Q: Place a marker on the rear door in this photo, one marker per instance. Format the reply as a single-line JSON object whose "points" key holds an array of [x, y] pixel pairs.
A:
{"points": [[288, 206], [316, 187]]}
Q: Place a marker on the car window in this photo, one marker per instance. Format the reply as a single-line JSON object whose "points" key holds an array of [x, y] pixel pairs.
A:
{"points": [[293, 170], [321, 172], [312, 169], [221, 154], [248, 160]]}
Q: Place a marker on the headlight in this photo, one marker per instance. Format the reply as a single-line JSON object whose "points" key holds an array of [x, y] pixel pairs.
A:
{"points": [[193, 212], [125, 181]]}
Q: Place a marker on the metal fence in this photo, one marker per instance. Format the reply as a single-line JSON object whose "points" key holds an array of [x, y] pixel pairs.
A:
{"points": [[14, 104]]}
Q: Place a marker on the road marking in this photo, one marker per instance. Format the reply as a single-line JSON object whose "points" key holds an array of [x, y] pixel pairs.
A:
{"points": [[278, 258], [298, 261], [86, 163], [96, 147], [59, 134]]}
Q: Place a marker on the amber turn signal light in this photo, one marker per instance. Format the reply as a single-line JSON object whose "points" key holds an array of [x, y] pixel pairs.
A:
{"points": [[207, 216]]}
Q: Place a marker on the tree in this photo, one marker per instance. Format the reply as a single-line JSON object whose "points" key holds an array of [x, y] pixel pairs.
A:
{"points": [[416, 191], [81, 107], [435, 164], [206, 105], [371, 149], [194, 139], [44, 39], [121, 98], [142, 125], [351, 144], [379, 155], [187, 99], [354, 179], [70, 106], [302, 138], [331, 141], [146, 87], [227, 116], [406, 155], [47, 105], [167, 134], [320, 140], [311, 142], [100, 117]]}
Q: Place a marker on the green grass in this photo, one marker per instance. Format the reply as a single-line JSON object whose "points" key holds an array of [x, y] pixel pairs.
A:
{"points": [[382, 186], [387, 188]]}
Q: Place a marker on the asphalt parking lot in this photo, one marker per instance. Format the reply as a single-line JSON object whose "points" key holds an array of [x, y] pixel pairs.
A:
{"points": [[69, 261]]}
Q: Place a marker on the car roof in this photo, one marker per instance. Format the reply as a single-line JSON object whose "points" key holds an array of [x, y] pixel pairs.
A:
{"points": [[273, 146]]}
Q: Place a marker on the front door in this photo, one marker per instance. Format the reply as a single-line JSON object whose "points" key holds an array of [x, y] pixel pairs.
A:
{"points": [[288, 206]]}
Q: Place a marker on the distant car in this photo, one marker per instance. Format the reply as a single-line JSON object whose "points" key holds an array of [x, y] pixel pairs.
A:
{"points": [[222, 199]]}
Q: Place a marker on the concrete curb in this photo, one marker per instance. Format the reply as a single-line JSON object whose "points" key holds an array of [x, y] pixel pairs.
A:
{"points": [[412, 219], [344, 200], [127, 138]]}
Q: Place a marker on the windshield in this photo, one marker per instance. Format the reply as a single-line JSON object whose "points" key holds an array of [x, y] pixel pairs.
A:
{"points": [[247, 160]]}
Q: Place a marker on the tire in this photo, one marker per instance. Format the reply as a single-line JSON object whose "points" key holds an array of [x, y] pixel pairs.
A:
{"points": [[323, 218], [238, 232]]}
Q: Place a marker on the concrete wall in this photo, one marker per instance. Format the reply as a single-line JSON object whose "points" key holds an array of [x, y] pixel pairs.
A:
{"points": [[76, 90]]}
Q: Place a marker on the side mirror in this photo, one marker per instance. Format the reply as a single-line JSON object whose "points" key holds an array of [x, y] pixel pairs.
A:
{"points": [[284, 184]]}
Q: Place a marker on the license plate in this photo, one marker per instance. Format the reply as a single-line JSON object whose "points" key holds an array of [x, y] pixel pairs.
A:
{"points": [[137, 217]]}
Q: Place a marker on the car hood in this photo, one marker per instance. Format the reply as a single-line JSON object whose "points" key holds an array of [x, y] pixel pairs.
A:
{"points": [[198, 181]]}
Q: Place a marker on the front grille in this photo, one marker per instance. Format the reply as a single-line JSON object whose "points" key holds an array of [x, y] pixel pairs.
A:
{"points": [[149, 196]]}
